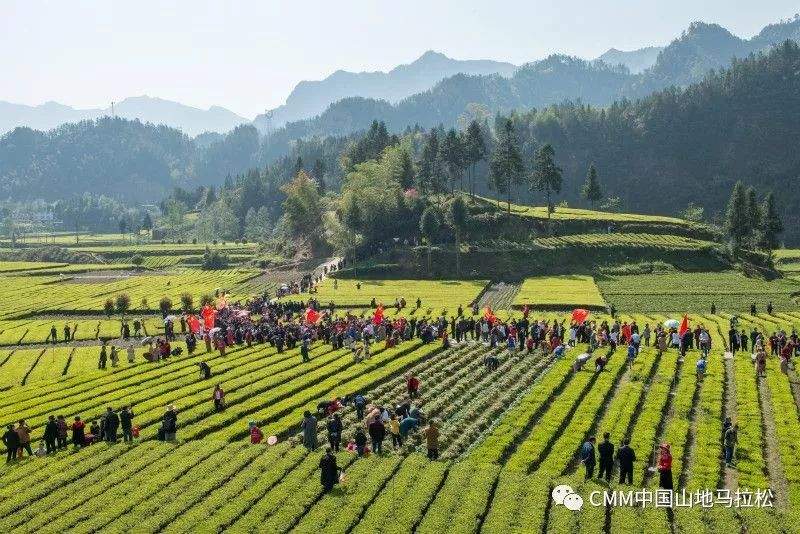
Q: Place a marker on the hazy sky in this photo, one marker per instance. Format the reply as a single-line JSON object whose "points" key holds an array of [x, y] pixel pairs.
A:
{"points": [[247, 56]]}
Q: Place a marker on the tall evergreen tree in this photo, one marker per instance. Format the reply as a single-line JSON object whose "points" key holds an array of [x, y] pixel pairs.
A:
{"points": [[771, 224], [753, 215], [737, 226], [546, 175], [429, 175], [406, 175], [474, 151], [147, 222], [506, 168], [429, 227], [457, 216], [451, 154], [591, 188]]}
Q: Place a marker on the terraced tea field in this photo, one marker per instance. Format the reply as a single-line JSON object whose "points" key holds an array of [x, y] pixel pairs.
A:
{"points": [[507, 436], [561, 292]]}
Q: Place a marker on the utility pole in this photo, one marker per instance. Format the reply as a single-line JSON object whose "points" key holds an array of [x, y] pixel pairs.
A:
{"points": [[112, 109]]}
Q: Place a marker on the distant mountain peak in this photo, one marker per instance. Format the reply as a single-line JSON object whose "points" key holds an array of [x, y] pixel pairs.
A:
{"points": [[310, 98], [191, 120]]}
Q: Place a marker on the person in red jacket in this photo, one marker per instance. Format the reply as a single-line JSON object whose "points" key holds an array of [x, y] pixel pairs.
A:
{"points": [[255, 434], [413, 386], [665, 467]]}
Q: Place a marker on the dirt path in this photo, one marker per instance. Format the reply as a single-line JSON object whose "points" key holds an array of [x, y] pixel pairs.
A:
{"points": [[730, 475], [775, 471], [499, 296]]}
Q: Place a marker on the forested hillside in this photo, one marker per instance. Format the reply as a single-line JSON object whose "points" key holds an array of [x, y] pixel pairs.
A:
{"points": [[553, 80], [681, 146]]}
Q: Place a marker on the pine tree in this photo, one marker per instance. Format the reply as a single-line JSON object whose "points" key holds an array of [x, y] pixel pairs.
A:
{"points": [[753, 215], [506, 168], [474, 151], [457, 216], [429, 226], [591, 188], [771, 224], [546, 175], [429, 175], [736, 219], [406, 175], [451, 154], [147, 222]]}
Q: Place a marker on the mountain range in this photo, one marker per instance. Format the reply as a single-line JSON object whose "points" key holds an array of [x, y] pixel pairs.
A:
{"points": [[193, 121], [699, 49]]}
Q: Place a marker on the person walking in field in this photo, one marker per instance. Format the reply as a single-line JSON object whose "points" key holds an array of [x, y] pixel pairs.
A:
{"points": [[664, 467], [334, 427], [329, 471], [114, 357], [50, 434], [588, 457], [394, 430], [256, 435], [78, 428], [730, 440], [169, 424], [218, 396], [205, 370], [126, 421], [63, 430], [432, 440], [24, 432], [626, 456], [11, 441], [606, 452], [101, 362], [309, 428], [304, 351], [67, 335], [53, 335], [112, 424], [761, 362], [377, 432], [360, 440]]}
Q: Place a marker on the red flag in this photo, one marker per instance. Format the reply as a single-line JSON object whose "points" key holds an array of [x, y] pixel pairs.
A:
{"points": [[312, 315], [579, 315], [378, 317], [489, 315], [209, 316], [194, 323], [684, 326]]}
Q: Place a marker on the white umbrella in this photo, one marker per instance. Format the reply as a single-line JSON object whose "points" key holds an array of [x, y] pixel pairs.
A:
{"points": [[671, 323], [214, 330], [147, 340], [169, 318]]}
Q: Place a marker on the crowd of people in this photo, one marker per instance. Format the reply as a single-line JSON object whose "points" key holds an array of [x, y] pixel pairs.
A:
{"points": [[109, 427]]}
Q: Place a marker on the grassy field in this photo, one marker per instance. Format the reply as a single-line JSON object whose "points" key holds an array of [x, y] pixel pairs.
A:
{"points": [[696, 292], [540, 212], [568, 291]]}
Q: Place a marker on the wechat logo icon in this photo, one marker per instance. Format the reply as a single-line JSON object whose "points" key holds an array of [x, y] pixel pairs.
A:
{"points": [[563, 494]]}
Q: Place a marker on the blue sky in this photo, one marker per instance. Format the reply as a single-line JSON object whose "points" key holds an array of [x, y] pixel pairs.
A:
{"points": [[247, 56]]}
